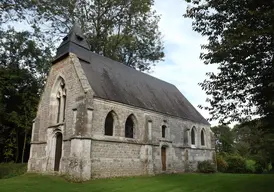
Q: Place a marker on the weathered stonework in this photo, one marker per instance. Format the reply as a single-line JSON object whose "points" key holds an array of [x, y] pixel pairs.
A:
{"points": [[87, 152]]}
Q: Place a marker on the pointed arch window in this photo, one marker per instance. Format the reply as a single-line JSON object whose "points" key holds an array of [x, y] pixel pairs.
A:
{"points": [[61, 101], [109, 124], [58, 106], [129, 127], [203, 137], [193, 135], [64, 104]]}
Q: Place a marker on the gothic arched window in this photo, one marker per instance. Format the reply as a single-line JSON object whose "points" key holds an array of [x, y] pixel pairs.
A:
{"points": [[193, 136], [129, 127], [109, 124], [61, 101], [64, 104], [203, 137]]}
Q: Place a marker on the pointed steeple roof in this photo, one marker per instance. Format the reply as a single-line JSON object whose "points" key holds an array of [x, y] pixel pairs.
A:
{"points": [[74, 42]]}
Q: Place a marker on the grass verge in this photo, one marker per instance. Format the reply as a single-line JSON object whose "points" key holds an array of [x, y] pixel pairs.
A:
{"points": [[160, 183]]}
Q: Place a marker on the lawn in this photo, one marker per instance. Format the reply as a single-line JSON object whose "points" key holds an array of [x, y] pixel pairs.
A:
{"points": [[160, 183]]}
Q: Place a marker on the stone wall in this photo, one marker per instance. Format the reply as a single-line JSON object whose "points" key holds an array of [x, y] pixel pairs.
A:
{"points": [[118, 156], [78, 99], [116, 159]]}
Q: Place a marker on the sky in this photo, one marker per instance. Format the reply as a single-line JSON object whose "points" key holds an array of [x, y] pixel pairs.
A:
{"points": [[182, 66]]}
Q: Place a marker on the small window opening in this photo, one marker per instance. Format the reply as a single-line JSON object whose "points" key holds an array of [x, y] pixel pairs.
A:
{"points": [[163, 131]]}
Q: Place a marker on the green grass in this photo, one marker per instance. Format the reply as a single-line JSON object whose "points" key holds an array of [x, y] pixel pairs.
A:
{"points": [[160, 183]]}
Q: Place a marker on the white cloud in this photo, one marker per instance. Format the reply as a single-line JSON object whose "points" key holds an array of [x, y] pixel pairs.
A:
{"points": [[182, 66]]}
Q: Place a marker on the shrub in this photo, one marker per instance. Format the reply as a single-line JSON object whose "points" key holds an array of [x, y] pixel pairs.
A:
{"points": [[250, 166], [267, 169], [221, 164], [8, 170], [236, 164], [261, 163], [270, 168], [206, 167]]}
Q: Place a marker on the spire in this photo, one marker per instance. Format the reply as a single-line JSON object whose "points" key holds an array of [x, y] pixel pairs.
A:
{"points": [[74, 42]]}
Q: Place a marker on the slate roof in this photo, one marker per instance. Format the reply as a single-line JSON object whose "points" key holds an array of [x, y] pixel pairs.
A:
{"points": [[115, 81]]}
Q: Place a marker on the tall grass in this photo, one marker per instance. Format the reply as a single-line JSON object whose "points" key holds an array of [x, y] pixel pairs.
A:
{"points": [[8, 170]]}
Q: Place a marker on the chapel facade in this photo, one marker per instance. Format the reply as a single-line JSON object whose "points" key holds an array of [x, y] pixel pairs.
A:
{"points": [[100, 118]]}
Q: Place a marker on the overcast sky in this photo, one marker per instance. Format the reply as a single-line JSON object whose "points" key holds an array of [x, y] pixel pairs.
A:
{"points": [[182, 66]]}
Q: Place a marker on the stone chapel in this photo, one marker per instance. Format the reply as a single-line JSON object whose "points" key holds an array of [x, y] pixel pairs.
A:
{"points": [[100, 118]]}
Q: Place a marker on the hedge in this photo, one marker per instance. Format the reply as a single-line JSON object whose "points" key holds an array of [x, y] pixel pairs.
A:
{"points": [[206, 167]]}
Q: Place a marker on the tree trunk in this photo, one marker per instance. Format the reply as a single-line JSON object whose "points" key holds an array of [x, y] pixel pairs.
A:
{"points": [[17, 145], [24, 147]]}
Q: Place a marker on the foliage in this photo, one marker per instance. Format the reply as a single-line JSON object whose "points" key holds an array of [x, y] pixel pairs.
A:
{"points": [[206, 167], [159, 183], [250, 166], [22, 50], [224, 139], [221, 164], [248, 140], [257, 141], [23, 68], [270, 168], [15, 10], [236, 164], [126, 31], [8, 170], [240, 41]]}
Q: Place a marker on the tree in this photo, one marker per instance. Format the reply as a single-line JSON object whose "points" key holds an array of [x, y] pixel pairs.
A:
{"points": [[126, 31], [15, 10], [23, 66], [241, 42], [224, 138], [248, 138], [252, 142]]}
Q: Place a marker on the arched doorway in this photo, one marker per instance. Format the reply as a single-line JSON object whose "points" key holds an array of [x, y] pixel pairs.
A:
{"points": [[58, 151], [163, 155]]}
